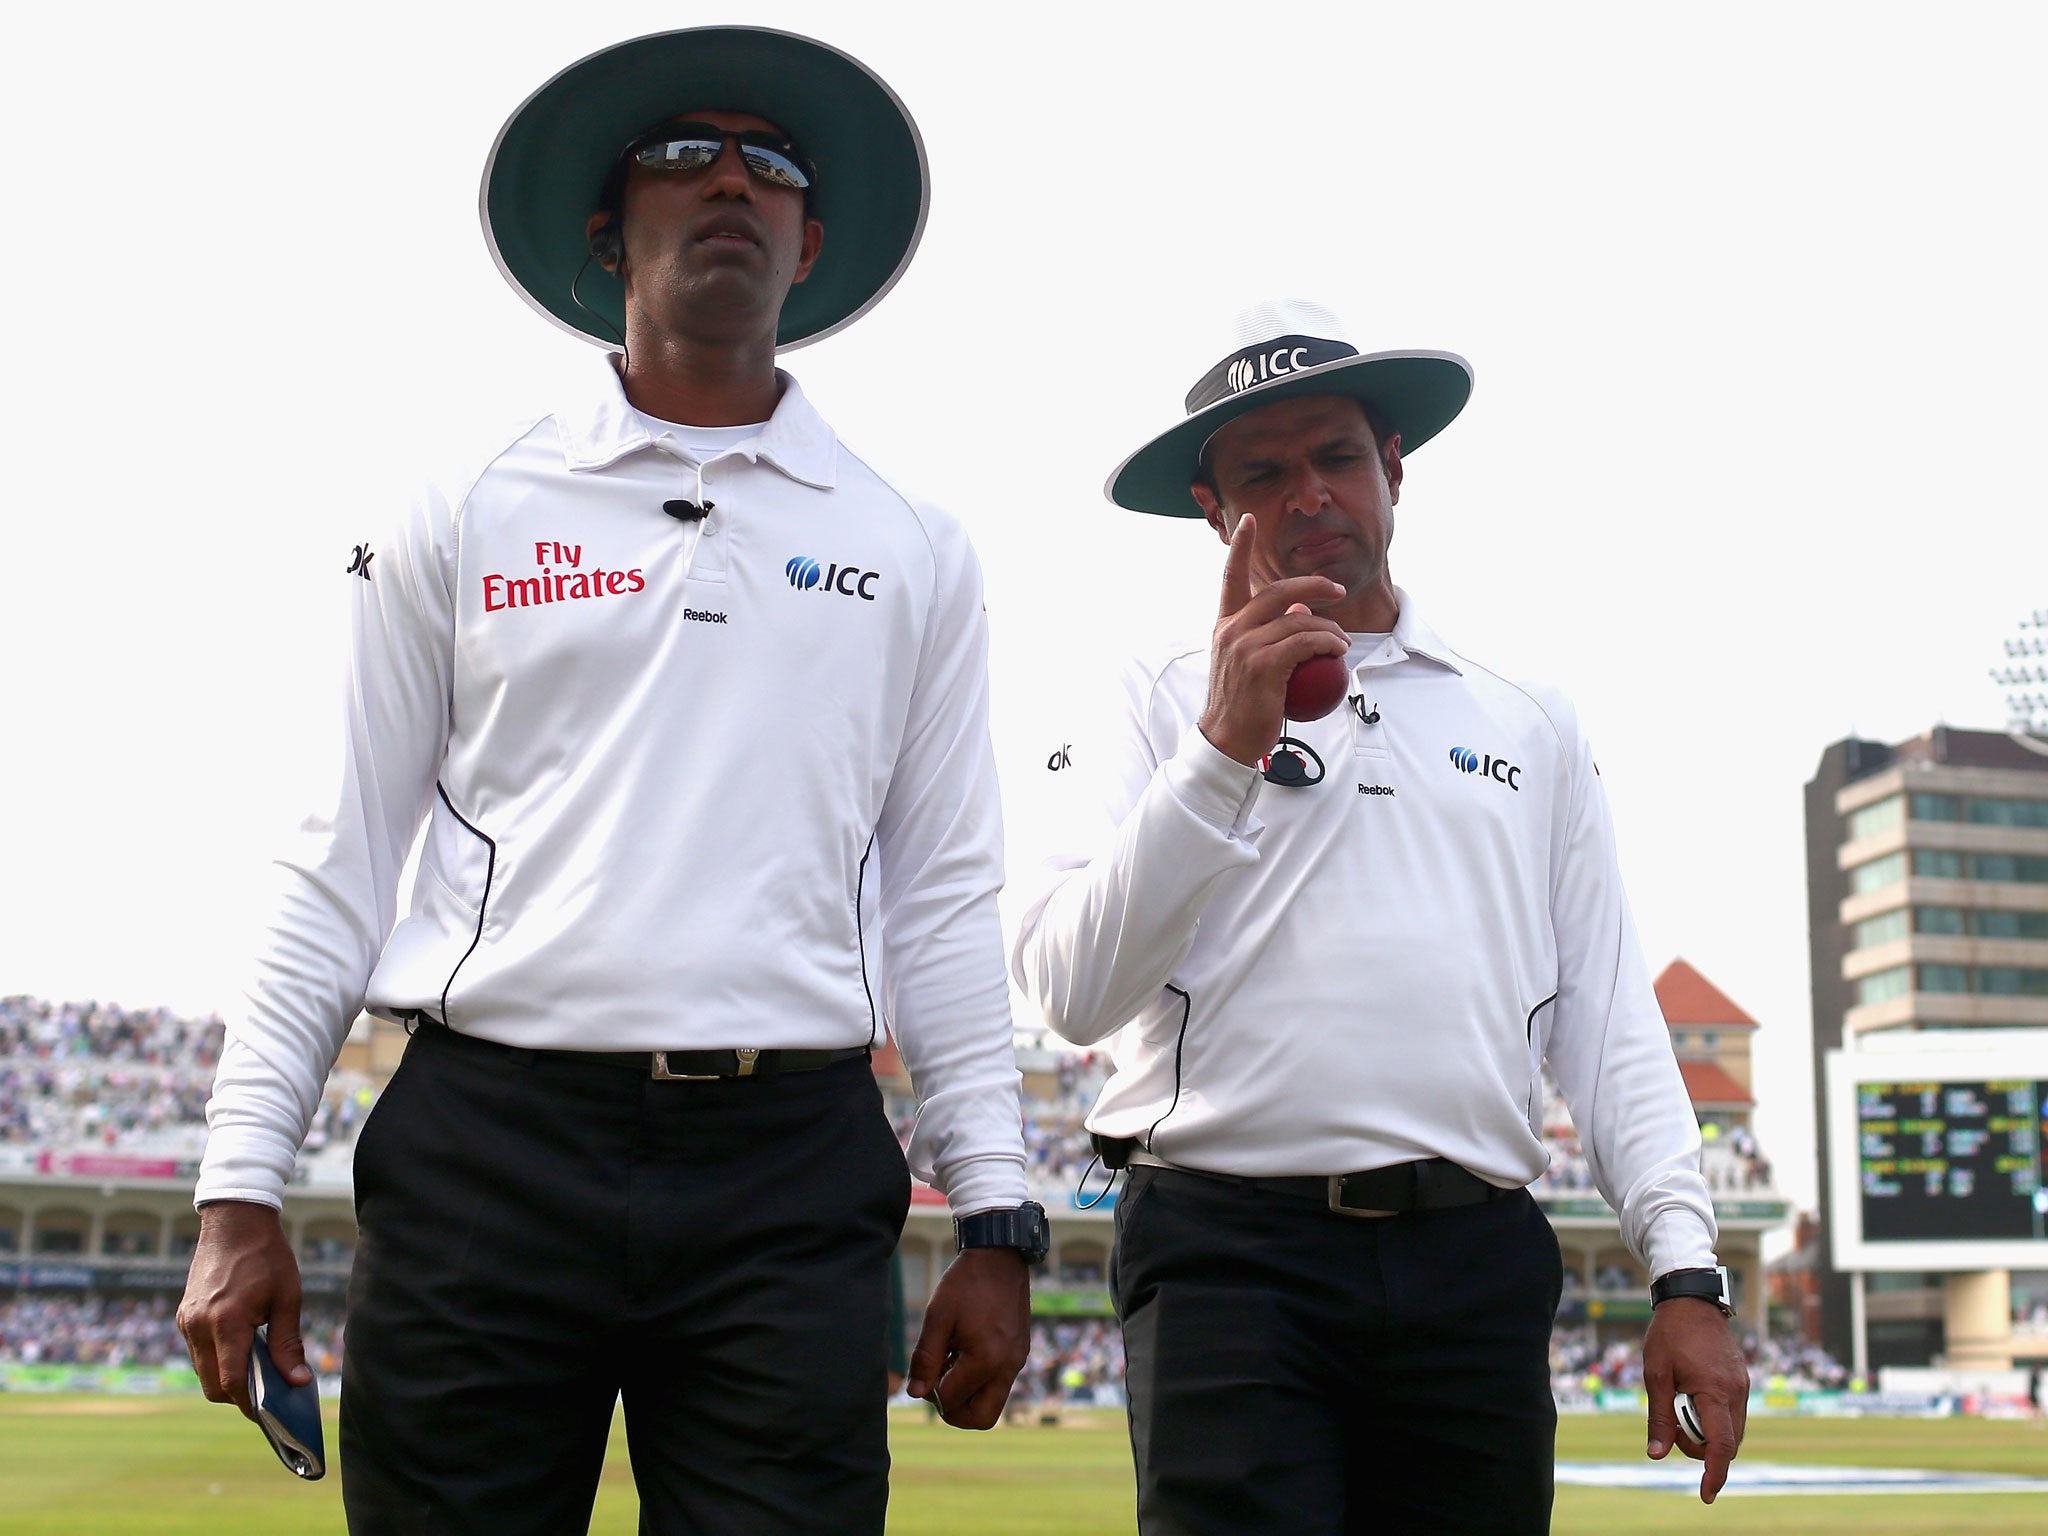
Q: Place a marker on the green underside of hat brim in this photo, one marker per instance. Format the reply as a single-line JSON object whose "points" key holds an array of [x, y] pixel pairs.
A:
{"points": [[545, 174], [1417, 394]]}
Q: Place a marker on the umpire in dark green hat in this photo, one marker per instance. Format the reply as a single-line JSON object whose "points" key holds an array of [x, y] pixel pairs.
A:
{"points": [[829, 127], [636, 1152]]}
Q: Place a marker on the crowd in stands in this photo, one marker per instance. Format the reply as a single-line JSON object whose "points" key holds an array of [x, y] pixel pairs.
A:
{"points": [[94, 1075], [1579, 1362], [120, 1331], [1056, 1147], [1730, 1159], [341, 1112], [1058, 1153], [32, 1029], [1075, 1362]]}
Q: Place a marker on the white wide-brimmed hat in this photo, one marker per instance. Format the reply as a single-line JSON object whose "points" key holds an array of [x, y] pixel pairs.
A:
{"points": [[1283, 349]]}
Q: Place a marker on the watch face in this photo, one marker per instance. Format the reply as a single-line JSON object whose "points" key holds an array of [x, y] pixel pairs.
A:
{"points": [[1037, 1233]]}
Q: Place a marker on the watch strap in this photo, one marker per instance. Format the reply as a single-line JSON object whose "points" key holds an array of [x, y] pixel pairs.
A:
{"points": [[1701, 1284], [1023, 1228]]}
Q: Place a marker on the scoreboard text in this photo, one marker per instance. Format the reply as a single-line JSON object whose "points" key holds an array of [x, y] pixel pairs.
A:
{"points": [[1952, 1160]]}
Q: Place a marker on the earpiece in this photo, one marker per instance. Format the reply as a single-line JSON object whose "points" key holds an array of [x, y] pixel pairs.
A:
{"points": [[1291, 763], [605, 244]]}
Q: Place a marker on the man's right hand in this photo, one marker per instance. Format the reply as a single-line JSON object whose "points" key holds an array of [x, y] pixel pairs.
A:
{"points": [[243, 1274], [1259, 641]]}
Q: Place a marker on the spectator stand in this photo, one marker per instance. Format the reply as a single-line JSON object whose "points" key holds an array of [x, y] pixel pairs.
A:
{"points": [[1606, 1291], [1058, 1088], [102, 1120]]}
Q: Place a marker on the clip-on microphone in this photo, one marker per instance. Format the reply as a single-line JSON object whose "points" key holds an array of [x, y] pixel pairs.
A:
{"points": [[1358, 709], [688, 511]]}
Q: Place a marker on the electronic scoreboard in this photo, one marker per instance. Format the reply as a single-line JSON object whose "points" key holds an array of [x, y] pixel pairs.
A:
{"points": [[1937, 1157], [1951, 1159]]}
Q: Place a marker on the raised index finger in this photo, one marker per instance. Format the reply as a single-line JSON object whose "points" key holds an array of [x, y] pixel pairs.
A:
{"points": [[1237, 568]]}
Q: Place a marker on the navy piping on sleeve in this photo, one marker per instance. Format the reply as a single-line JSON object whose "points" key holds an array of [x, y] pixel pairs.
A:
{"points": [[1536, 1082], [490, 873], [1179, 1041], [860, 881]]}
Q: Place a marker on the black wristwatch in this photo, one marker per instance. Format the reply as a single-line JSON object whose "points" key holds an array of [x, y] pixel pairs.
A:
{"points": [[1705, 1284], [1024, 1229]]}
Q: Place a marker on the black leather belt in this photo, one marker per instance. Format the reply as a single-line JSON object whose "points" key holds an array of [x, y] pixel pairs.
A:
{"points": [[673, 1066], [1433, 1184]]}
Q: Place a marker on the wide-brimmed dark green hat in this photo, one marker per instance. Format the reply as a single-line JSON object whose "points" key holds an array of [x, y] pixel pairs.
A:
{"points": [[547, 169], [1286, 349]]}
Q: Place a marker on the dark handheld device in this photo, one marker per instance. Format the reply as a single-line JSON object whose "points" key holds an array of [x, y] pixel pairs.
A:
{"points": [[289, 1416]]}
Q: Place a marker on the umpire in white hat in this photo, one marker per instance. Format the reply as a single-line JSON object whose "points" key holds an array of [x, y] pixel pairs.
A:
{"points": [[1333, 954]]}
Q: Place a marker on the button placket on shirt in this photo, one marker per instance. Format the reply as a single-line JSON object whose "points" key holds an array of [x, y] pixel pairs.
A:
{"points": [[706, 560], [711, 549], [1369, 741]]}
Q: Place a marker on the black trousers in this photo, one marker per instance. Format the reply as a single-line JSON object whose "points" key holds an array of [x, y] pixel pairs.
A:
{"points": [[1299, 1372], [540, 1238]]}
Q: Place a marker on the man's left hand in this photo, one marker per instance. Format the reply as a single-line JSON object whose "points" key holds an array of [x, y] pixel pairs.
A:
{"points": [[1689, 1349], [976, 1337]]}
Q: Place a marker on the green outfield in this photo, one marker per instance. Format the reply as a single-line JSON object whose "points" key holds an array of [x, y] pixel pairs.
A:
{"points": [[86, 1466]]}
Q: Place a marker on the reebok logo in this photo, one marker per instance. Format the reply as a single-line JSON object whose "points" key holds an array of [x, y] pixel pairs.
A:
{"points": [[700, 616], [1498, 769], [806, 575], [1377, 789], [360, 565]]}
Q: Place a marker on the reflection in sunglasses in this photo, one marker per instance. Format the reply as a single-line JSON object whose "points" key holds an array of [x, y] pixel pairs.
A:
{"points": [[690, 147]]}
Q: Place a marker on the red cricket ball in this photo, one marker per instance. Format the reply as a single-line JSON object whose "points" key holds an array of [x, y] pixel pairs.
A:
{"points": [[1316, 687]]}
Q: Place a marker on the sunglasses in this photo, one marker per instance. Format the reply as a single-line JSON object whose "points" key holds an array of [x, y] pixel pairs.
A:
{"points": [[685, 148]]}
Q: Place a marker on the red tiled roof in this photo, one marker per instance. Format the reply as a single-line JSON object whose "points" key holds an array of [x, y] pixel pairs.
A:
{"points": [[1688, 998], [1708, 1082]]}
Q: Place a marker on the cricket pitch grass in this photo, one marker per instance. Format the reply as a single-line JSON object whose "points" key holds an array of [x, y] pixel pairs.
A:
{"points": [[144, 1466]]}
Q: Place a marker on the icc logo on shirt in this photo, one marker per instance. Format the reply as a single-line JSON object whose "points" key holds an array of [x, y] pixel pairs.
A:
{"points": [[806, 575], [1465, 760]]}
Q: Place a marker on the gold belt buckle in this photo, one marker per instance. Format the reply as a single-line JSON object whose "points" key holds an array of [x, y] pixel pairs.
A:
{"points": [[747, 1055], [1337, 1201]]}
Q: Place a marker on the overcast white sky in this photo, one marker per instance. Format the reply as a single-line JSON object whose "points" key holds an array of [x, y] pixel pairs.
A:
{"points": [[1753, 293]]}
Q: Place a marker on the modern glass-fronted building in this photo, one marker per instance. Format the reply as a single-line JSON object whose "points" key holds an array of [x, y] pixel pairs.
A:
{"points": [[1927, 890]]}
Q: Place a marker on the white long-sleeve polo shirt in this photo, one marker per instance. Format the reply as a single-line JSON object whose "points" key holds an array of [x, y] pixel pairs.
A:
{"points": [[1370, 970], [687, 786]]}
